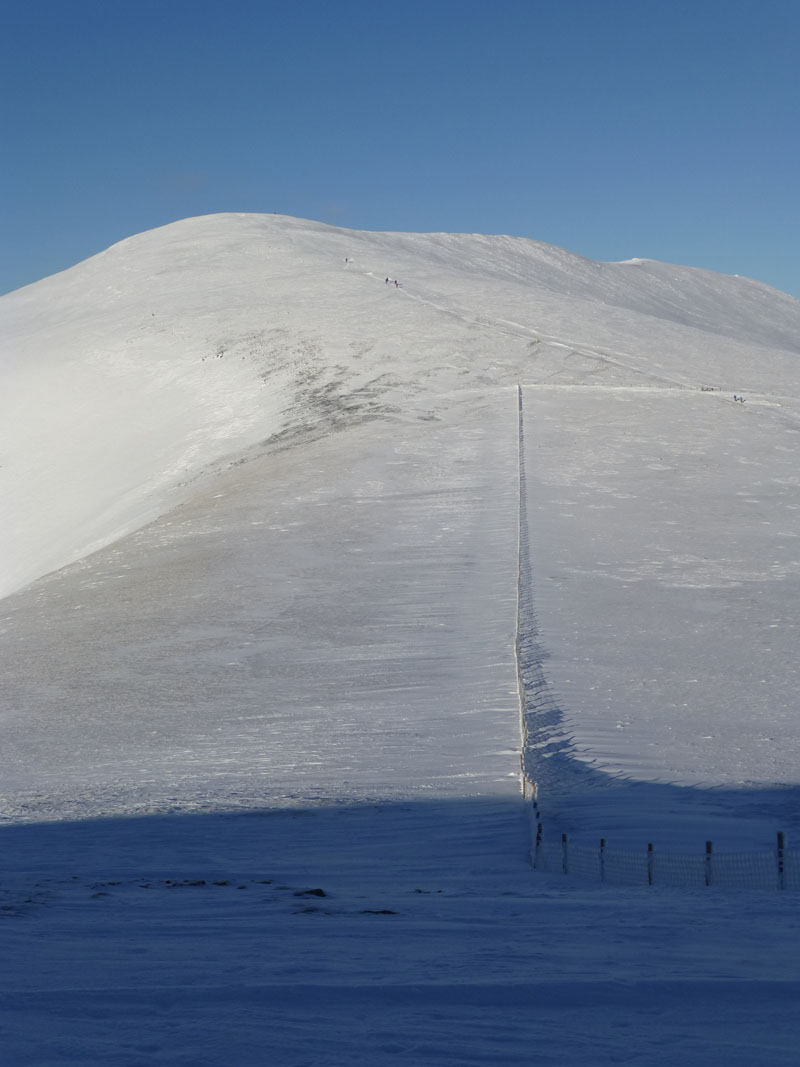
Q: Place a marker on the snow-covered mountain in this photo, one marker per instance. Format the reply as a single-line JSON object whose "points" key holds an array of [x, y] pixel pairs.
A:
{"points": [[262, 488], [130, 374], [221, 404]]}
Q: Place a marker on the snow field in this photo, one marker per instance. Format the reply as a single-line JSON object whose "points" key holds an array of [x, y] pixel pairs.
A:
{"points": [[195, 939], [351, 636], [682, 589], [260, 642]]}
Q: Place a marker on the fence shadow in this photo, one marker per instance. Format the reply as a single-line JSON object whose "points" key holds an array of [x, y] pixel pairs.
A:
{"points": [[577, 798]]}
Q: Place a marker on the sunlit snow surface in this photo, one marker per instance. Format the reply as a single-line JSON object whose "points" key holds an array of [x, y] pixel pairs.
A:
{"points": [[323, 623], [261, 570], [679, 579]]}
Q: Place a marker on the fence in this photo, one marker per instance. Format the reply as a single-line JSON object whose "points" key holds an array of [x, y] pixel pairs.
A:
{"points": [[778, 868]]}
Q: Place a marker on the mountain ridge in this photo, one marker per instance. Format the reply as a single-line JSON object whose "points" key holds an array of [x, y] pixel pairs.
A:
{"points": [[130, 373]]}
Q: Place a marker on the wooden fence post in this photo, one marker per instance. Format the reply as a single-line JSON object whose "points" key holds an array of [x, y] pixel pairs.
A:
{"points": [[538, 845], [709, 848], [650, 864], [602, 859], [780, 858], [564, 855]]}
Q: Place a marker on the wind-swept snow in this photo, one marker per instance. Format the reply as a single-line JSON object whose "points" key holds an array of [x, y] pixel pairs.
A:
{"points": [[261, 570], [184, 345], [321, 622]]}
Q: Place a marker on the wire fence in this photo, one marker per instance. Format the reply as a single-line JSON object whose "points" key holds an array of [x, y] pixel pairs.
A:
{"points": [[769, 869], [777, 868]]}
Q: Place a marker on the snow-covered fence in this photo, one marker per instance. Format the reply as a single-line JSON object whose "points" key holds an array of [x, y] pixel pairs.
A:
{"points": [[777, 868], [528, 671]]}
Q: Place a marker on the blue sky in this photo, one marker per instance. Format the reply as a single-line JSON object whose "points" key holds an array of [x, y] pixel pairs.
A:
{"points": [[666, 129]]}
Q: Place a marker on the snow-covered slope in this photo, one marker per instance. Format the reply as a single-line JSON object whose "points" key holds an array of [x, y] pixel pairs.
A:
{"points": [[128, 375], [195, 394], [262, 555]]}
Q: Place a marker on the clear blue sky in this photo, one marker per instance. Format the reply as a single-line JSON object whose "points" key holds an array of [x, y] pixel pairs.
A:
{"points": [[667, 129]]}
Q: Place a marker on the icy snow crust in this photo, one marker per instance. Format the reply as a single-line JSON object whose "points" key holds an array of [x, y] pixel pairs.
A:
{"points": [[262, 571]]}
